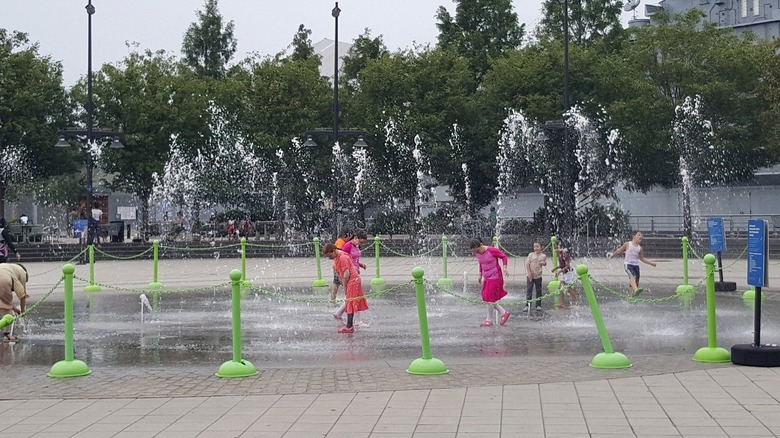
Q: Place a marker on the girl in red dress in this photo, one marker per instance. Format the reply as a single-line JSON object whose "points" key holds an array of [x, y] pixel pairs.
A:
{"points": [[492, 279]]}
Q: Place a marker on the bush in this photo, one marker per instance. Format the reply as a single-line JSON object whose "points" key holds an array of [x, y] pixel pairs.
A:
{"points": [[445, 220], [603, 221], [391, 222]]}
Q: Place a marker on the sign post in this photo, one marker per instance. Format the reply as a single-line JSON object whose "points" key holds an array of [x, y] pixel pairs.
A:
{"points": [[718, 245], [755, 354]]}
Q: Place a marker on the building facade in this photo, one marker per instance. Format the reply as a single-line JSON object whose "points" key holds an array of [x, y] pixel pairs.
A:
{"points": [[762, 17]]}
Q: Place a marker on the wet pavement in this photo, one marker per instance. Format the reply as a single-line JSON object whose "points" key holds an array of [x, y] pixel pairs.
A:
{"points": [[290, 336]]}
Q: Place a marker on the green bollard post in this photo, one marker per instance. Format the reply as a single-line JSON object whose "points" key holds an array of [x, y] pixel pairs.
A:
{"points": [[554, 284], [495, 241], [685, 291], [244, 282], [711, 353], [377, 282], [69, 367], [426, 365], [444, 281], [92, 287], [319, 282], [237, 367], [156, 254], [609, 359]]}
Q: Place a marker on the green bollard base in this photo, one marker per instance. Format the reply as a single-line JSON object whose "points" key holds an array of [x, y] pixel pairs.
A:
{"points": [[154, 285], [320, 282], [444, 282], [751, 295], [7, 320], [712, 355], [246, 283], [610, 361], [92, 288], [231, 368], [553, 285], [685, 289], [427, 367], [69, 368], [377, 281]]}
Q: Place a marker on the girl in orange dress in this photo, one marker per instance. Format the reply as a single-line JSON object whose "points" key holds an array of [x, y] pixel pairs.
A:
{"points": [[350, 277]]}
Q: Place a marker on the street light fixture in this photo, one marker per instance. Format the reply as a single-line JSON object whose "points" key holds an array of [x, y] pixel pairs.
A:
{"points": [[90, 133]]}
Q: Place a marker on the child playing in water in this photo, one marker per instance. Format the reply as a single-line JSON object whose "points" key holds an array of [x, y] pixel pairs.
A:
{"points": [[567, 275], [350, 277], [634, 254], [492, 279], [352, 247]]}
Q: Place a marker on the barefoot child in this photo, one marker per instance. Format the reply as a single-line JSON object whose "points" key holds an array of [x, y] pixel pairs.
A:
{"points": [[334, 288], [352, 247], [567, 275], [634, 254], [492, 279], [353, 287]]}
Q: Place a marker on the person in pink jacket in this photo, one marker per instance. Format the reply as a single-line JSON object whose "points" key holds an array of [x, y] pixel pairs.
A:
{"points": [[491, 276]]}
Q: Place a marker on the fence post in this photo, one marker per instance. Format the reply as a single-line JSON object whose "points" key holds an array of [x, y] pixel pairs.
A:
{"points": [[554, 284], [378, 281], [319, 282], [685, 291], [244, 281], [609, 358], [92, 287], [749, 296], [426, 365], [155, 257], [495, 241], [69, 367], [237, 367], [711, 353], [444, 281]]}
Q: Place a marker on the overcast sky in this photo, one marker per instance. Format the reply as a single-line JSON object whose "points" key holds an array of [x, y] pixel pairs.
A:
{"points": [[262, 26]]}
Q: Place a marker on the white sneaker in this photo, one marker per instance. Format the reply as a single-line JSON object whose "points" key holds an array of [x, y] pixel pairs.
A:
{"points": [[538, 307], [526, 308]]}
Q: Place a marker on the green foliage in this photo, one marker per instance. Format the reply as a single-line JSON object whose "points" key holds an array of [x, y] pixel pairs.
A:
{"points": [[33, 106], [603, 221], [302, 47], [364, 48], [209, 44], [589, 21], [480, 31], [391, 222]]}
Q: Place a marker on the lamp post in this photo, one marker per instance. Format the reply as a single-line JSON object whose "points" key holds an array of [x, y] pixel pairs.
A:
{"points": [[335, 12], [90, 134], [568, 196]]}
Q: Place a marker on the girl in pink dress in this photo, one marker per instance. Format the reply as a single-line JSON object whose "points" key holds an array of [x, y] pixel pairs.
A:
{"points": [[492, 279]]}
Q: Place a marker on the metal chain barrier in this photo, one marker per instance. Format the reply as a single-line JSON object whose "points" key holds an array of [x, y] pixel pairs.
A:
{"points": [[146, 289], [410, 256], [59, 268], [635, 300], [204, 248], [258, 245], [372, 295], [551, 294], [46, 295], [132, 257]]}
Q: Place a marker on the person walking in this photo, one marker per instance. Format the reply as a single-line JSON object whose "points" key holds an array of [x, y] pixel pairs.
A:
{"points": [[534, 263], [353, 285], [633, 255], [6, 243], [492, 279], [13, 280]]}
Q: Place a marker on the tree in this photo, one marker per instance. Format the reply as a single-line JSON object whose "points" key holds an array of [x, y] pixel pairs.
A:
{"points": [[209, 44], [151, 101], [481, 30], [677, 59], [33, 105], [589, 21], [301, 44], [364, 48]]}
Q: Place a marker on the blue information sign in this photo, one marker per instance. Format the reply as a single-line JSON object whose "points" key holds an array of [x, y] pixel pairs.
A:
{"points": [[715, 231], [757, 253]]}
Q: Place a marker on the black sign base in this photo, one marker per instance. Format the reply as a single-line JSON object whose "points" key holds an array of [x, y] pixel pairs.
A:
{"points": [[725, 286], [752, 356]]}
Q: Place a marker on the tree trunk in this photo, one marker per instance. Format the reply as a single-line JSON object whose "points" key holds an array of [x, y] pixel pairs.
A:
{"points": [[2, 200]]}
